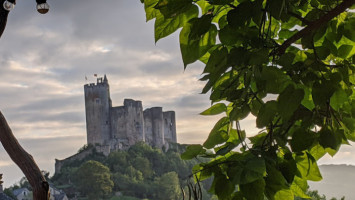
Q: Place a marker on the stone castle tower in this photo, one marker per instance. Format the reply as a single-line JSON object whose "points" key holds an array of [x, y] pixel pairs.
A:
{"points": [[111, 128]]}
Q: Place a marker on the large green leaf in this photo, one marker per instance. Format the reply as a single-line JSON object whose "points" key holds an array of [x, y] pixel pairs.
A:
{"points": [[220, 2], [274, 79], [246, 169], [192, 50], [344, 50], [288, 101], [302, 139], [150, 11], [321, 95], [241, 14], [328, 139], [275, 183], [166, 26], [171, 8], [218, 134], [192, 151], [338, 99], [299, 187], [253, 190], [308, 167], [223, 187], [215, 109], [266, 114]]}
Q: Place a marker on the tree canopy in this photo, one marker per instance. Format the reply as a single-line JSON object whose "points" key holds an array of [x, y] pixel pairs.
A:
{"points": [[94, 179], [289, 63]]}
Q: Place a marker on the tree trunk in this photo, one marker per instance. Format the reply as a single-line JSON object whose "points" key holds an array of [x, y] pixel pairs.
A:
{"points": [[24, 160]]}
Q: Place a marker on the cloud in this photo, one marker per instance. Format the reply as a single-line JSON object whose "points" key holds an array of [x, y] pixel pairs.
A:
{"points": [[44, 60]]}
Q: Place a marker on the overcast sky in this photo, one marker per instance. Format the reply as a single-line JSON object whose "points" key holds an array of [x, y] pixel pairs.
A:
{"points": [[44, 60]]}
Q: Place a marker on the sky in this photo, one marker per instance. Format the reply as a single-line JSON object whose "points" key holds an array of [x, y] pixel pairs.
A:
{"points": [[44, 60]]}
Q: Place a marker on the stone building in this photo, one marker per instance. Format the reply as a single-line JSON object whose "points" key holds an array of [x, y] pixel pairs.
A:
{"points": [[110, 128]]}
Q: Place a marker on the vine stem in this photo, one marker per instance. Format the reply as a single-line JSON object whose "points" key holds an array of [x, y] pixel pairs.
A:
{"points": [[24, 161]]}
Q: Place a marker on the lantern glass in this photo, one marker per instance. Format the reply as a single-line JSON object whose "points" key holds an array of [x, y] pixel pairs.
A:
{"points": [[43, 8], [8, 5]]}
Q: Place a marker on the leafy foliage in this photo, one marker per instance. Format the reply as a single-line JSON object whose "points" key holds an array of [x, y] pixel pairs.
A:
{"points": [[290, 63], [140, 172], [94, 179]]}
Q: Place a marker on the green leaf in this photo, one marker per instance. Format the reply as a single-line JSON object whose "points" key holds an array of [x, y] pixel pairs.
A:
{"points": [[217, 63], [338, 99], [307, 100], [275, 182], [253, 190], [239, 113], [266, 114], [171, 8], [200, 26], [220, 2], [285, 194], [322, 52], [276, 8], [344, 50], [349, 123], [327, 139], [166, 26], [299, 187], [330, 45], [150, 11], [247, 169], [230, 36], [192, 50], [218, 134], [317, 152], [192, 151], [288, 101], [223, 187], [215, 109], [302, 139], [321, 95], [240, 15], [260, 56], [288, 167], [308, 167], [274, 79]]}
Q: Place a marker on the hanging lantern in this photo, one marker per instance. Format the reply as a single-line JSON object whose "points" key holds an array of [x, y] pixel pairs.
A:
{"points": [[43, 8], [8, 5]]}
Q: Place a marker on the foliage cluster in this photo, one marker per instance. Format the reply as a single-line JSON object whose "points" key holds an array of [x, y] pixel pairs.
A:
{"points": [[289, 63], [140, 172]]}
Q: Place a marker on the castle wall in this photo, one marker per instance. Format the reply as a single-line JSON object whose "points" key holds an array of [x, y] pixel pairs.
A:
{"points": [[121, 127], [153, 120], [148, 126], [169, 126], [127, 123], [79, 156], [97, 108]]}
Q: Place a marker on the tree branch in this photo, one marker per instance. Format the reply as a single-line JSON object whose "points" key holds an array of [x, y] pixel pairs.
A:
{"points": [[24, 161], [315, 25]]}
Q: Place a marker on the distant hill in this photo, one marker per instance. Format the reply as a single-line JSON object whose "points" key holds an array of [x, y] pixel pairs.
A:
{"points": [[338, 181]]}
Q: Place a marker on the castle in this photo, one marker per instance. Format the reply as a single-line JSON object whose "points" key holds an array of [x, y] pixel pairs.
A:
{"points": [[112, 128]]}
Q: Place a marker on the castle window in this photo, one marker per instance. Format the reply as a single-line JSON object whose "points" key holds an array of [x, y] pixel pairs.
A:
{"points": [[106, 122], [97, 100]]}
